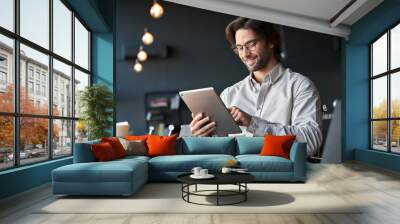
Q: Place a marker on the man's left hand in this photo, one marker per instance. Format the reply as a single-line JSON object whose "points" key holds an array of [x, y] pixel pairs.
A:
{"points": [[240, 116]]}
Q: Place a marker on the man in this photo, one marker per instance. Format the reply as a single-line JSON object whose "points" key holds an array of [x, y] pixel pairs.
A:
{"points": [[271, 100]]}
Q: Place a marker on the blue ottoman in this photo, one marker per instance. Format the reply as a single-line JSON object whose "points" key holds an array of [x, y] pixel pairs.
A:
{"points": [[118, 177]]}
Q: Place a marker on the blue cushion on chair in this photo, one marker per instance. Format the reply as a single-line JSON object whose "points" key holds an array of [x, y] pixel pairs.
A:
{"points": [[249, 145], [207, 145]]}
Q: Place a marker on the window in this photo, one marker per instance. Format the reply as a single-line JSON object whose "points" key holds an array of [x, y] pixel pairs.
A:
{"points": [[45, 131], [35, 21], [38, 74], [62, 74], [44, 91], [3, 78], [6, 142], [385, 94], [38, 89], [6, 73], [62, 29], [30, 87], [81, 81], [3, 61], [7, 14], [30, 72], [81, 45]]}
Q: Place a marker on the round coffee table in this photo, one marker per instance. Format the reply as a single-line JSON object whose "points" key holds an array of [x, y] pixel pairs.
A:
{"points": [[238, 179]]}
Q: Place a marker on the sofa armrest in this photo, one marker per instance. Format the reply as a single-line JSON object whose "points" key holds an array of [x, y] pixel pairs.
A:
{"points": [[298, 155], [83, 152]]}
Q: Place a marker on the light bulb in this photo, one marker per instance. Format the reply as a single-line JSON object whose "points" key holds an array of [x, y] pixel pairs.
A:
{"points": [[142, 55], [147, 38], [138, 67], [156, 10]]}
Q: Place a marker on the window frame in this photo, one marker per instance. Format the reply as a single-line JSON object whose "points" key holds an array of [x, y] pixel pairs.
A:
{"points": [[388, 74], [16, 114]]}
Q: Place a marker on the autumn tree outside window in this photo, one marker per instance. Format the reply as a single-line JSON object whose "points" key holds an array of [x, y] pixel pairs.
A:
{"points": [[44, 64]]}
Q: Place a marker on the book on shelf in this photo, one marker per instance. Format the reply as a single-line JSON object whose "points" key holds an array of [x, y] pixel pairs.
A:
{"points": [[159, 102]]}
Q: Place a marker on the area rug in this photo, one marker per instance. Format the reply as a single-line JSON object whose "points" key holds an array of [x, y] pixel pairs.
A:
{"points": [[167, 198]]}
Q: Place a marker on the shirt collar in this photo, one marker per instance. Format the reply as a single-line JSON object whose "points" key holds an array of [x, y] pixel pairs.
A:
{"points": [[271, 77]]}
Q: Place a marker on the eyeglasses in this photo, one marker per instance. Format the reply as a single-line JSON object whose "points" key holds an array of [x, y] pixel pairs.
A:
{"points": [[249, 45]]}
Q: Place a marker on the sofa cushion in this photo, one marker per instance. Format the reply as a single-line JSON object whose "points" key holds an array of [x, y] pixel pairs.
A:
{"points": [[249, 145], [277, 145], [83, 152], [116, 145], [111, 171], [161, 145], [257, 163], [134, 147], [103, 152], [207, 145], [185, 163]]}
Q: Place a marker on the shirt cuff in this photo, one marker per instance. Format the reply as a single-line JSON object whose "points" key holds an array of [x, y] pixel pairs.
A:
{"points": [[260, 127]]}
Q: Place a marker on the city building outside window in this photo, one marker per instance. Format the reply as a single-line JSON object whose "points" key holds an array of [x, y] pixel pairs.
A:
{"points": [[56, 128]]}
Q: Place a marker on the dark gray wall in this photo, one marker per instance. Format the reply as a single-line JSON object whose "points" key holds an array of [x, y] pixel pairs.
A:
{"points": [[200, 56]]}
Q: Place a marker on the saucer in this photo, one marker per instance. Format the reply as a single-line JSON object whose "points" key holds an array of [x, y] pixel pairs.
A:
{"points": [[208, 176]]}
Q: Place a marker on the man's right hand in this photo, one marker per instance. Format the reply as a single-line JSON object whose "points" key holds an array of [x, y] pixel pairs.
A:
{"points": [[202, 125]]}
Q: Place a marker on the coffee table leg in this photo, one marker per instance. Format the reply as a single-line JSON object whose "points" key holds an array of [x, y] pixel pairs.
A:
{"points": [[217, 194], [188, 189], [245, 193]]}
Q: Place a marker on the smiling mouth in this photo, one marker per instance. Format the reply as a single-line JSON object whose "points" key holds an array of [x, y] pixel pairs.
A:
{"points": [[250, 62]]}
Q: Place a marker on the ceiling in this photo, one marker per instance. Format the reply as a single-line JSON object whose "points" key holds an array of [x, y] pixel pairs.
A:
{"points": [[333, 17]]}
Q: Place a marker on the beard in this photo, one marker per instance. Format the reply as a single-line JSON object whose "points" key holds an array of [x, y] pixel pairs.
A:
{"points": [[262, 60]]}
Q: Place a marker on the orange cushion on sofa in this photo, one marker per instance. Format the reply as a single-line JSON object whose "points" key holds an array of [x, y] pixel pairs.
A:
{"points": [[161, 145], [116, 145], [103, 152], [277, 145], [136, 137]]}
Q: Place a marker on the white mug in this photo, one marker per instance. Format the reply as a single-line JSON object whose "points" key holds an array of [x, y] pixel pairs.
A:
{"points": [[203, 172], [226, 170], [196, 170]]}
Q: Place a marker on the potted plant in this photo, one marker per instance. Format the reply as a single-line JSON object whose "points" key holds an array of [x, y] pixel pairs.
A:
{"points": [[97, 103]]}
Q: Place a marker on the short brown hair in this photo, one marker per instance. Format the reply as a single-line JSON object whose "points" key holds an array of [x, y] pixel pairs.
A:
{"points": [[264, 29]]}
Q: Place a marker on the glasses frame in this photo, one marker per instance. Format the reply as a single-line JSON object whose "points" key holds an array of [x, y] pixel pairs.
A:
{"points": [[249, 45]]}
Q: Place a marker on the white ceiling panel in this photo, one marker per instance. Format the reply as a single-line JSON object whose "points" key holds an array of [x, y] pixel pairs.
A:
{"points": [[332, 17], [320, 9]]}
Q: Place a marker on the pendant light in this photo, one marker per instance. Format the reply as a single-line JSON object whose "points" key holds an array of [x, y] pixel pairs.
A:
{"points": [[156, 10], [142, 55], [138, 67], [147, 37]]}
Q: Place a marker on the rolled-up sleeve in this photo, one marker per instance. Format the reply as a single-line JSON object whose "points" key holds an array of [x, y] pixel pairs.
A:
{"points": [[306, 120]]}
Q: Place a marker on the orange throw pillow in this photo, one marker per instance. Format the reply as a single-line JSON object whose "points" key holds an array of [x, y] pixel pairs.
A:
{"points": [[103, 152], [277, 145], [116, 145], [161, 145], [136, 137]]}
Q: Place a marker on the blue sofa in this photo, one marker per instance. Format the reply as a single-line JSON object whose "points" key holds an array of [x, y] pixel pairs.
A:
{"points": [[125, 176]]}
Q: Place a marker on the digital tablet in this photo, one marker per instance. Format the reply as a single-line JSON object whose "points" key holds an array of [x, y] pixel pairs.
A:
{"points": [[208, 102]]}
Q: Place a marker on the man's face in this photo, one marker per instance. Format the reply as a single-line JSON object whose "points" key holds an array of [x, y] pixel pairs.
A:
{"points": [[257, 54]]}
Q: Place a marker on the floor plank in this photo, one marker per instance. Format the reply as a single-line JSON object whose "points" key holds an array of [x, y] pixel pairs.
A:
{"points": [[377, 190]]}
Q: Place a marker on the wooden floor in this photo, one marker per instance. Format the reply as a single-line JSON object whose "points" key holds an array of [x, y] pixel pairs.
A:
{"points": [[377, 188]]}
